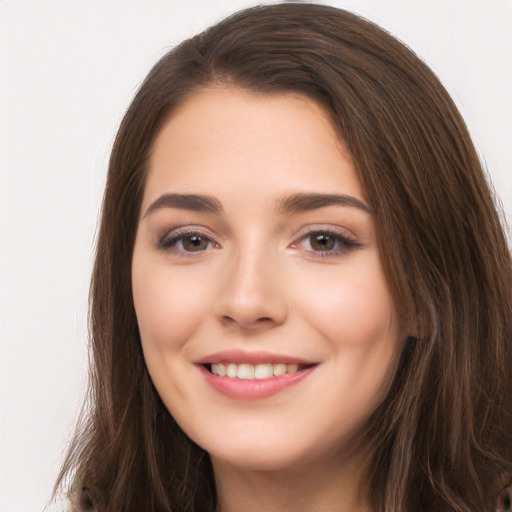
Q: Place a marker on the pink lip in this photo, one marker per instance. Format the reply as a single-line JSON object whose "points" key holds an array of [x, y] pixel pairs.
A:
{"points": [[240, 356], [241, 389], [256, 389]]}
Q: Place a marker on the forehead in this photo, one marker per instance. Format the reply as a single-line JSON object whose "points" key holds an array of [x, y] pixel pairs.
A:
{"points": [[225, 138]]}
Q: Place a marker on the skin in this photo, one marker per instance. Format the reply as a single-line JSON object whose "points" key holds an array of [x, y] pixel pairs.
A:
{"points": [[262, 284]]}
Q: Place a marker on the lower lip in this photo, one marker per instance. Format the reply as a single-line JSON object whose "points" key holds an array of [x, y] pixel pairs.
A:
{"points": [[256, 389]]}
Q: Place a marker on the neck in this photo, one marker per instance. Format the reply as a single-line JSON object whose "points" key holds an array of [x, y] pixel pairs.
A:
{"points": [[305, 488]]}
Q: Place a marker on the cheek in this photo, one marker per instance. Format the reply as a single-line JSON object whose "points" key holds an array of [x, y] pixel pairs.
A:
{"points": [[354, 312], [168, 309], [353, 307]]}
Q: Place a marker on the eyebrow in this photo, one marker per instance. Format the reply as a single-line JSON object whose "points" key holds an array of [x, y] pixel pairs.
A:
{"points": [[303, 202], [198, 203], [294, 203]]}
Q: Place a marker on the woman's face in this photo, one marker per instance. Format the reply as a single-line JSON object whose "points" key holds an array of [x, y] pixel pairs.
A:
{"points": [[256, 257]]}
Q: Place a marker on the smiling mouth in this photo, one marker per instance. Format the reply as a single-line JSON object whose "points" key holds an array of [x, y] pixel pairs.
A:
{"points": [[245, 371]]}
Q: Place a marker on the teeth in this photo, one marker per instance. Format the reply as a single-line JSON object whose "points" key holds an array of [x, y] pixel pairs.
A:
{"points": [[246, 371], [279, 369], [263, 371], [292, 368], [231, 370]]}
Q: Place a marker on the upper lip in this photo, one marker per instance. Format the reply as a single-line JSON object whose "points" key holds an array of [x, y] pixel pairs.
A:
{"points": [[241, 356]]}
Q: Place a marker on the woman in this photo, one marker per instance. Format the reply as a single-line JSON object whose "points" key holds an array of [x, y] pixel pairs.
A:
{"points": [[302, 291]]}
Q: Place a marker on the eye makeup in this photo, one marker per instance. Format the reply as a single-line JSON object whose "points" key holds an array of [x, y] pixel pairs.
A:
{"points": [[188, 239], [325, 243], [315, 242]]}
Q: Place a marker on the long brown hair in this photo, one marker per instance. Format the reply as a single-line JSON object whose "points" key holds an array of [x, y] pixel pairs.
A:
{"points": [[442, 438]]}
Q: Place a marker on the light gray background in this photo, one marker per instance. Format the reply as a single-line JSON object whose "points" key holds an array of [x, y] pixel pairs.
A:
{"points": [[68, 70]]}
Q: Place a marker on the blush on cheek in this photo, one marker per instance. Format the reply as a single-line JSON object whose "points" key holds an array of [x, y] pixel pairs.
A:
{"points": [[351, 314], [165, 314]]}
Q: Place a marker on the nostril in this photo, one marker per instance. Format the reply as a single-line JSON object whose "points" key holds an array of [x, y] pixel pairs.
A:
{"points": [[226, 320], [247, 323], [264, 320]]}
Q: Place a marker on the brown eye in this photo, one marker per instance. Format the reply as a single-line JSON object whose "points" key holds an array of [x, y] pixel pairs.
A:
{"points": [[186, 242], [322, 242], [195, 243]]}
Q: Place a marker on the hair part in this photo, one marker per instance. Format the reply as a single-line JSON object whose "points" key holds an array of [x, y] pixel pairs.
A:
{"points": [[441, 438]]}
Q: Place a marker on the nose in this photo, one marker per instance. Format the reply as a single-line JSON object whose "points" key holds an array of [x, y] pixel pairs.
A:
{"points": [[252, 293]]}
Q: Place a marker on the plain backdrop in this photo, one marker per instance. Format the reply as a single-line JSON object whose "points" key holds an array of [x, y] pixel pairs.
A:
{"points": [[68, 69]]}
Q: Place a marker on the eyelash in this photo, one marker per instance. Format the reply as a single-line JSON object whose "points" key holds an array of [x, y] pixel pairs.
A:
{"points": [[170, 240], [343, 243]]}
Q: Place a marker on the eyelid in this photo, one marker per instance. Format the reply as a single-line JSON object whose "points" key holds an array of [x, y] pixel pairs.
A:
{"points": [[334, 229], [173, 234], [346, 240]]}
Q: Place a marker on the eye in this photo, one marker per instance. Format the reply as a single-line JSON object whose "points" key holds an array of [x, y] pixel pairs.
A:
{"points": [[322, 242], [186, 242], [326, 243]]}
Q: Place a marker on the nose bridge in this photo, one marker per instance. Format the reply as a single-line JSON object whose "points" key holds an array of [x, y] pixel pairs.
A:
{"points": [[251, 292], [251, 274]]}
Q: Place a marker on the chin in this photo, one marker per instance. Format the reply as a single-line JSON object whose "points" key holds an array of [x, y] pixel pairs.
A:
{"points": [[266, 450], [256, 458]]}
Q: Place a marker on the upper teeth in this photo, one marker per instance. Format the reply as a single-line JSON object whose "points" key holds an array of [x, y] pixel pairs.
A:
{"points": [[252, 371]]}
